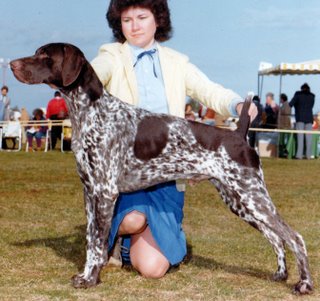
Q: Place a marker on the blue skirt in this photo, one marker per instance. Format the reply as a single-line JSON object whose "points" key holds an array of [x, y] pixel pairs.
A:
{"points": [[163, 207]]}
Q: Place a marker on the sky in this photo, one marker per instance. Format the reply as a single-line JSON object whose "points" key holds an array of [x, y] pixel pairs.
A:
{"points": [[226, 39]]}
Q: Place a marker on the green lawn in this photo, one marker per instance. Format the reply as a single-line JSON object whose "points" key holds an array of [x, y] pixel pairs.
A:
{"points": [[42, 237]]}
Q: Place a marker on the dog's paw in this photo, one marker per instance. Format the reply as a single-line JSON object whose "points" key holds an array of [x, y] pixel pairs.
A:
{"points": [[303, 287], [280, 276], [79, 281]]}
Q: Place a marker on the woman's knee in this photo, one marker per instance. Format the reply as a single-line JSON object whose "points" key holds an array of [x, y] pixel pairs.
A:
{"points": [[134, 222], [146, 256], [152, 268]]}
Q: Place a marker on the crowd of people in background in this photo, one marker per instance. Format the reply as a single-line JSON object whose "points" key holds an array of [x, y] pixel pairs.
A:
{"points": [[270, 116], [56, 110]]}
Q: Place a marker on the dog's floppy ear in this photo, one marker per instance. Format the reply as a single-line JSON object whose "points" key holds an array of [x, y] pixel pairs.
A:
{"points": [[72, 64]]}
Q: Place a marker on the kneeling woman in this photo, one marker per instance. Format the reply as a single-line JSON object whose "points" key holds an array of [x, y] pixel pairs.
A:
{"points": [[140, 71]]}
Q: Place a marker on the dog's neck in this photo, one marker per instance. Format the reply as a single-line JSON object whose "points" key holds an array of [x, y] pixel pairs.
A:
{"points": [[81, 94], [87, 84]]}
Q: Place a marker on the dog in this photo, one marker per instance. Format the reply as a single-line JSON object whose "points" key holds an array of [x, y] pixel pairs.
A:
{"points": [[121, 148]]}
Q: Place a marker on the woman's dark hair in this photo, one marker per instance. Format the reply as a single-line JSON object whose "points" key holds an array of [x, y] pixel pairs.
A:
{"points": [[284, 97], [159, 9]]}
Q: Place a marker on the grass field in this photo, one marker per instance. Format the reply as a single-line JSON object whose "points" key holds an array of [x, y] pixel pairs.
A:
{"points": [[42, 237]]}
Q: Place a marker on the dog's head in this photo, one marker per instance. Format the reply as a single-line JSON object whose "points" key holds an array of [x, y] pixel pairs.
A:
{"points": [[57, 64]]}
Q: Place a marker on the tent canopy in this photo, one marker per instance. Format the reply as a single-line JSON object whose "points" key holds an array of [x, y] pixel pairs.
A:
{"points": [[309, 67], [266, 69]]}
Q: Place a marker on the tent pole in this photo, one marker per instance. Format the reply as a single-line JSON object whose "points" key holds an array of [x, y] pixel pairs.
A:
{"points": [[279, 112], [260, 85], [280, 86]]}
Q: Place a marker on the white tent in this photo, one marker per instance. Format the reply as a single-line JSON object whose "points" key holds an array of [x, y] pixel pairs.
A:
{"points": [[267, 69]]}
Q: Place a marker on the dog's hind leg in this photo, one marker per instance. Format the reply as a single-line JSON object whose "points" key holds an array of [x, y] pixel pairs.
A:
{"points": [[99, 210], [279, 233], [232, 199], [296, 244], [252, 203]]}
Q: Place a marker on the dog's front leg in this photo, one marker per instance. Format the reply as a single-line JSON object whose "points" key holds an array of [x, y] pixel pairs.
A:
{"points": [[99, 210]]}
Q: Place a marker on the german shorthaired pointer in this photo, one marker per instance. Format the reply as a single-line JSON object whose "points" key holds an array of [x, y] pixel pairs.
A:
{"points": [[121, 148]]}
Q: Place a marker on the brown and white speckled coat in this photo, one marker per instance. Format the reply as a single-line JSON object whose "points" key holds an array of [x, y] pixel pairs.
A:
{"points": [[120, 148]]}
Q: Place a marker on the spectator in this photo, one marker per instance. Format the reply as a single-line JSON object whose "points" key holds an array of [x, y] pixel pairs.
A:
{"points": [[271, 111], [316, 122], [36, 131], [15, 115], [285, 113], [315, 125], [4, 109], [256, 123], [12, 130], [56, 110], [284, 123], [303, 102], [4, 104]]}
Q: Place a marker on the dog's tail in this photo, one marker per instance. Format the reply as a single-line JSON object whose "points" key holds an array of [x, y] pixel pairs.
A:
{"points": [[244, 120]]}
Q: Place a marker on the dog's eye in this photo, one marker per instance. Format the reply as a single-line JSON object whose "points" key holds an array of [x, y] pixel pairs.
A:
{"points": [[43, 55]]}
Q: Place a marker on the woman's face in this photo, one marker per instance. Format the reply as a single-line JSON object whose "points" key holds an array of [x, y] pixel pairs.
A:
{"points": [[138, 26]]}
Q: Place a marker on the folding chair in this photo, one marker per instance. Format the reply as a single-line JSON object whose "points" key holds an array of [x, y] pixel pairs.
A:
{"points": [[12, 131], [66, 134]]}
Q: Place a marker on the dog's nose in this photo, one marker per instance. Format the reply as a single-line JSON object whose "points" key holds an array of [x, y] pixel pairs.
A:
{"points": [[15, 64]]}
